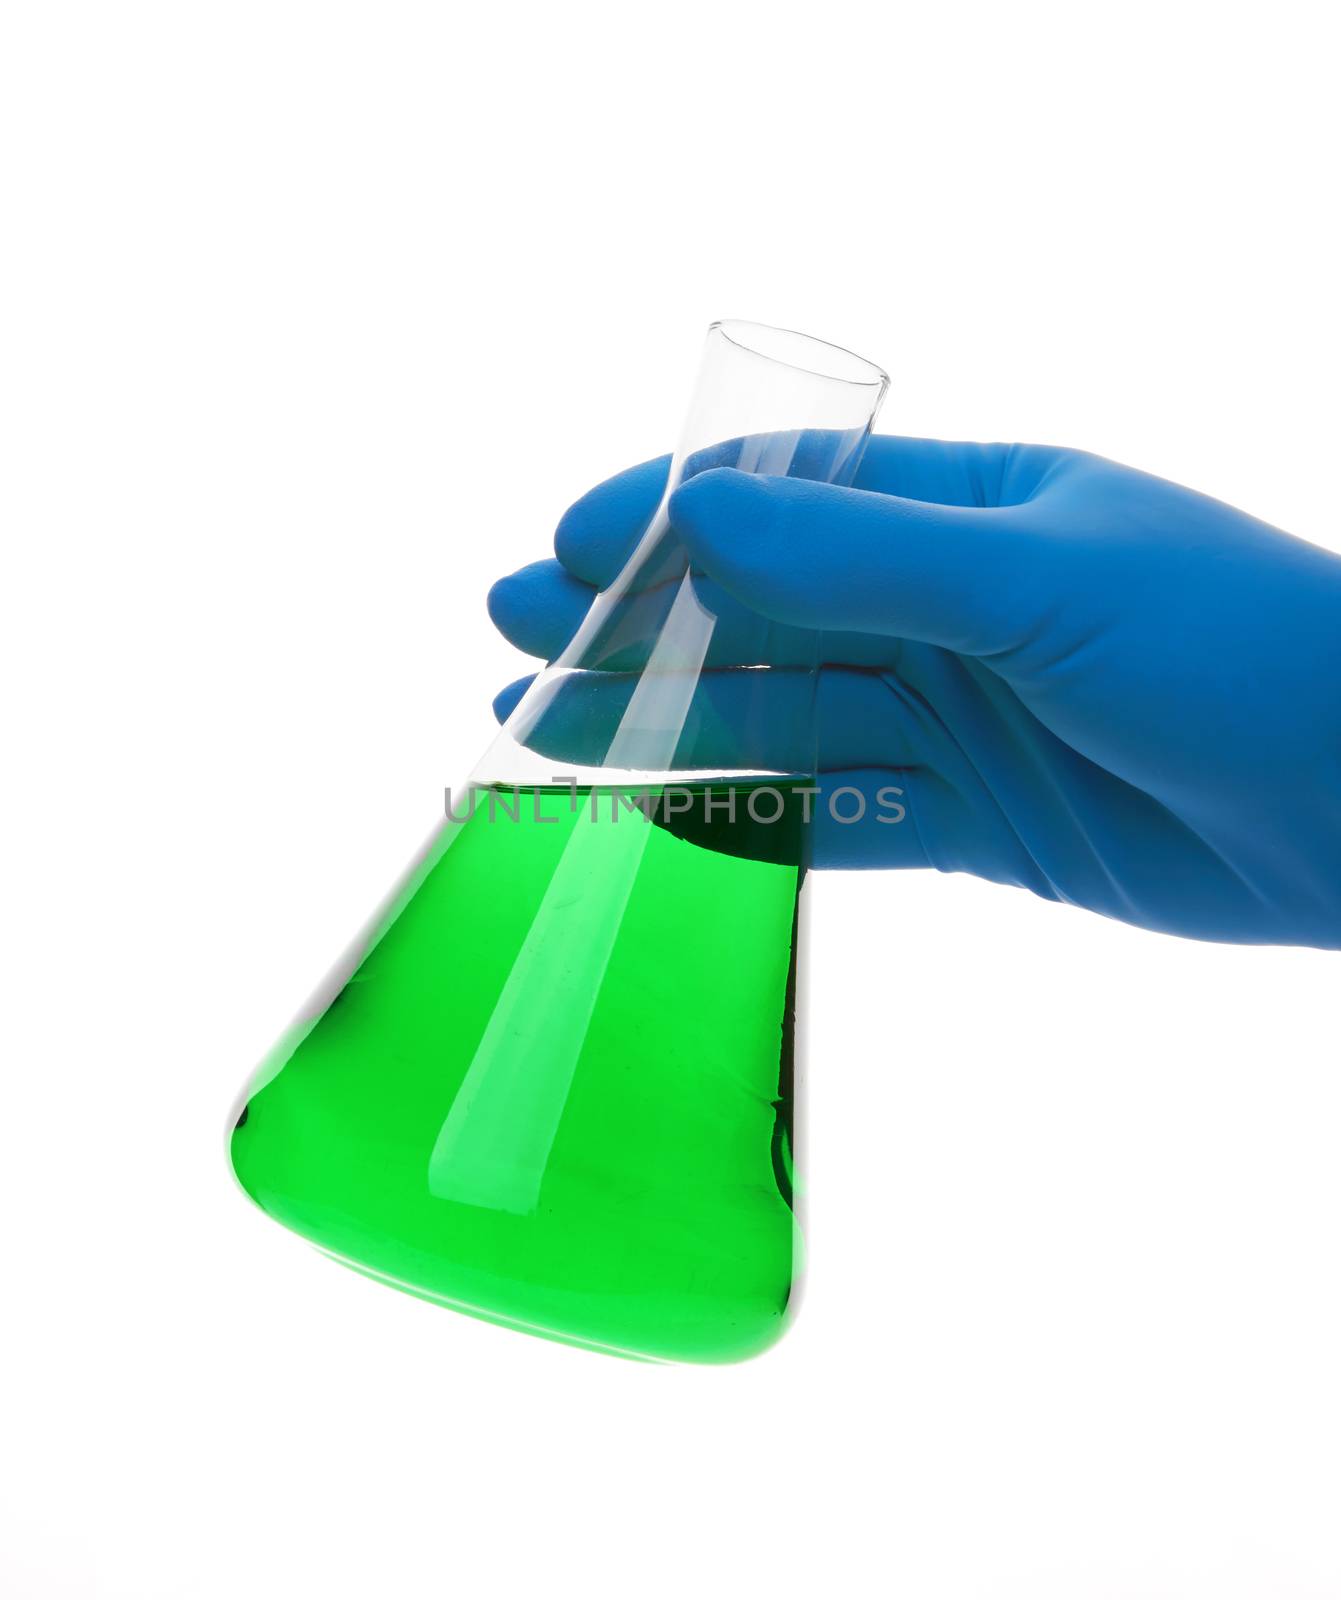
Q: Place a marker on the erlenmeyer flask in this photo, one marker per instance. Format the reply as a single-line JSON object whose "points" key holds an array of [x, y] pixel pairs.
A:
{"points": [[552, 1085]]}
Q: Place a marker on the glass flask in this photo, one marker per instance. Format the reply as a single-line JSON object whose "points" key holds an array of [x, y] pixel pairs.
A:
{"points": [[553, 1083]]}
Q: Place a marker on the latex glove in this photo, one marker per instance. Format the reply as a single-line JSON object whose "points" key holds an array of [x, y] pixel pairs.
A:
{"points": [[1087, 681]]}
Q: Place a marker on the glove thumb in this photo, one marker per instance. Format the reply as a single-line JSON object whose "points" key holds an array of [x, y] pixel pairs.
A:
{"points": [[817, 556]]}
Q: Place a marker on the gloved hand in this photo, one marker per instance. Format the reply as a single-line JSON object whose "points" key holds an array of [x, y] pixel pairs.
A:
{"points": [[1087, 681]]}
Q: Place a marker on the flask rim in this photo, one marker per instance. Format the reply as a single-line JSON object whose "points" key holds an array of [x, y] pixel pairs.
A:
{"points": [[802, 352]]}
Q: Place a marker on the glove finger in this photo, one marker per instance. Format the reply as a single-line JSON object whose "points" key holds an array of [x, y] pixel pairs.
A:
{"points": [[541, 607], [972, 579], [597, 533], [736, 721], [896, 786]]}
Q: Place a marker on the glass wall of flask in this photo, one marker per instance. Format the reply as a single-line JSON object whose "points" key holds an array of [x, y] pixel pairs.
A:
{"points": [[553, 1084]]}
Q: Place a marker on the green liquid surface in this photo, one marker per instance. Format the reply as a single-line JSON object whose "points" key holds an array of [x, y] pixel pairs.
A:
{"points": [[553, 1088]]}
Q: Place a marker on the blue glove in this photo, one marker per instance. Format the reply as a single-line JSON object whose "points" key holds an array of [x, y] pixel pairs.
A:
{"points": [[1089, 682]]}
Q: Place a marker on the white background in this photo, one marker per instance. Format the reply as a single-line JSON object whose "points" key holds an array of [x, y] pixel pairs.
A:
{"points": [[315, 317]]}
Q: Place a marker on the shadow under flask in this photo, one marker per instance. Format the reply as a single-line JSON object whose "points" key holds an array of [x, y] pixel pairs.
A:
{"points": [[553, 1083]]}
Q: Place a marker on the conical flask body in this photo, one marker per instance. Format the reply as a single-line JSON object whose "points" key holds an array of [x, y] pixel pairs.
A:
{"points": [[557, 1090], [553, 1084]]}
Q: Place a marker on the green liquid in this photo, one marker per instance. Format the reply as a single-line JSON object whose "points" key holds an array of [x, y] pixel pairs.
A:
{"points": [[555, 1091]]}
